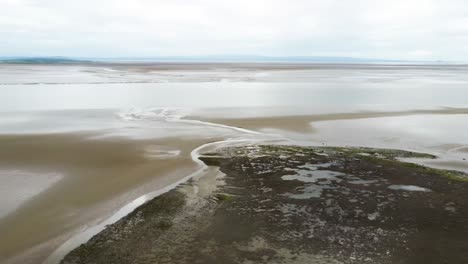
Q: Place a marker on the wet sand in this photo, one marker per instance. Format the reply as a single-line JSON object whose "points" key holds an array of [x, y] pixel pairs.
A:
{"points": [[147, 72], [98, 177], [302, 123]]}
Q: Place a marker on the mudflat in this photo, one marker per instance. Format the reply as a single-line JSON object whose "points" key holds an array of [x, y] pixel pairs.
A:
{"points": [[288, 204], [90, 178], [301, 123]]}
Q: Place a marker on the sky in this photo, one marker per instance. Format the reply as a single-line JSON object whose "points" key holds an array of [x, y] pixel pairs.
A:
{"points": [[383, 29]]}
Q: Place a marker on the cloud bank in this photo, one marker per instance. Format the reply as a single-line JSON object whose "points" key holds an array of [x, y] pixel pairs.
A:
{"points": [[387, 29]]}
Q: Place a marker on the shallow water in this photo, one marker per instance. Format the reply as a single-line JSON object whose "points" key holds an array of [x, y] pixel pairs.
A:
{"points": [[441, 135], [334, 87], [110, 136]]}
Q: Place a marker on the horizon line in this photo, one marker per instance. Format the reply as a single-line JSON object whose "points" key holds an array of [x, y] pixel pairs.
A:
{"points": [[216, 58]]}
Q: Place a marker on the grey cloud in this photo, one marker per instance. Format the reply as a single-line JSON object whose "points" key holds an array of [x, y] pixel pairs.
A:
{"points": [[396, 29]]}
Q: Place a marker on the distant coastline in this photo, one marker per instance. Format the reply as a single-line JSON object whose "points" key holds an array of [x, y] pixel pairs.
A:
{"points": [[210, 59], [40, 60]]}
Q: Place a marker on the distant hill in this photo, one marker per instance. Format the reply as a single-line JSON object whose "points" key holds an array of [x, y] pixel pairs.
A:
{"points": [[201, 59], [39, 60], [245, 58]]}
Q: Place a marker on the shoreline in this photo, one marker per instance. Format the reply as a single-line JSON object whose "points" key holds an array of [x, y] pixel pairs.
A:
{"points": [[80, 238], [301, 123], [82, 157]]}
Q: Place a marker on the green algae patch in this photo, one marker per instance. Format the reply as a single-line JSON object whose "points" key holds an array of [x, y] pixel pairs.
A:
{"points": [[223, 197], [451, 174], [211, 160], [382, 153]]}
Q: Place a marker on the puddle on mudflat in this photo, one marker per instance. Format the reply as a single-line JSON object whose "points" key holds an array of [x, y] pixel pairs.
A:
{"points": [[409, 188]]}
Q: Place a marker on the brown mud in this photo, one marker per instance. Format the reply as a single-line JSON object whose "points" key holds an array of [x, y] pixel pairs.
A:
{"points": [[287, 204]]}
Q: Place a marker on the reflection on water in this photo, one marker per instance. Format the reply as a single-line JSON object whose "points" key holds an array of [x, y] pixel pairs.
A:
{"points": [[403, 131], [342, 94], [333, 86], [442, 135]]}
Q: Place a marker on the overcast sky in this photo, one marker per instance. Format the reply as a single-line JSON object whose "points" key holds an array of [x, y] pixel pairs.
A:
{"points": [[387, 29]]}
